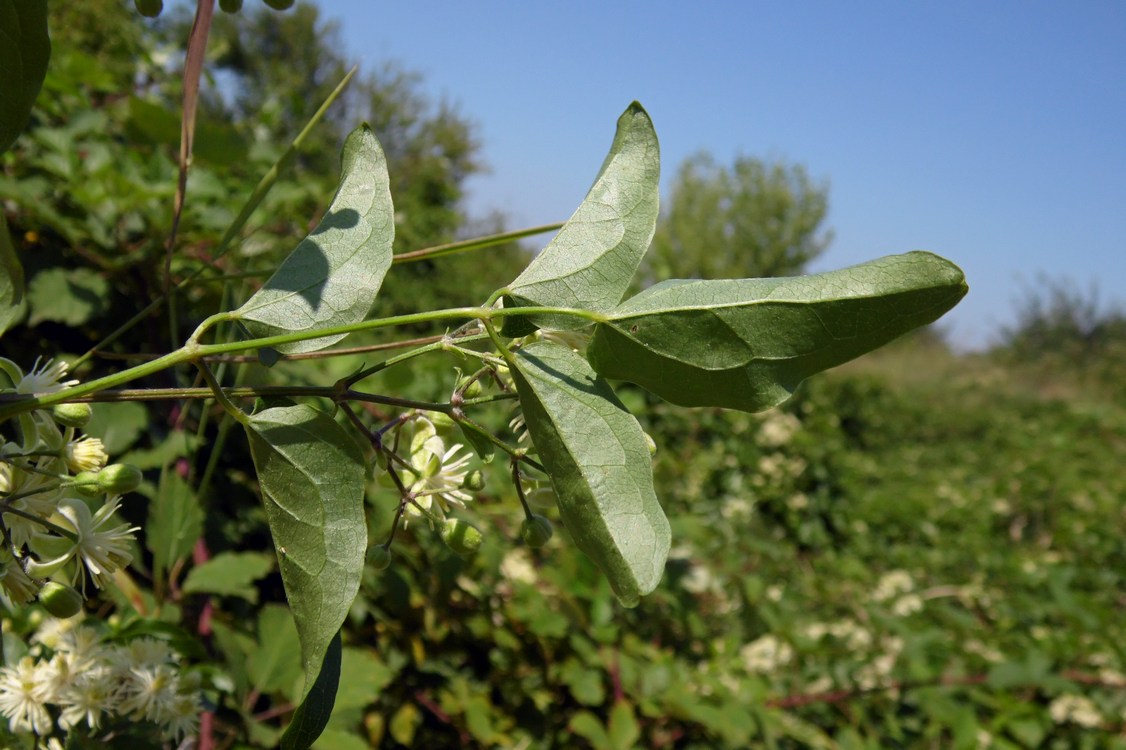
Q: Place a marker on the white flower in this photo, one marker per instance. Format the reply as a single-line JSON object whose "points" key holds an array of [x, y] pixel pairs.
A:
{"points": [[437, 473], [183, 718], [23, 697], [47, 378], [892, 584], [90, 694], [101, 547], [1075, 709], [149, 693], [766, 654], [86, 454], [15, 581]]}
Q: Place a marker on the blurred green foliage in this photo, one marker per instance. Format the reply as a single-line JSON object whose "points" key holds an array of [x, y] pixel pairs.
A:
{"points": [[882, 562]]}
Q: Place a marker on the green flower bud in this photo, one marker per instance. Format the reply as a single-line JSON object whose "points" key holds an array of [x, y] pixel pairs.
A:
{"points": [[149, 8], [460, 536], [118, 479], [469, 388], [72, 415], [651, 444], [474, 481], [280, 4], [379, 557], [86, 484], [230, 6], [60, 600], [536, 531]]}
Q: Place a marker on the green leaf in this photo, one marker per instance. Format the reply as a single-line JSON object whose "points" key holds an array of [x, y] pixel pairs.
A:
{"points": [[12, 305], [623, 729], [25, 50], [747, 343], [363, 676], [312, 477], [275, 665], [229, 574], [596, 455], [175, 522], [311, 717], [71, 296], [590, 263], [334, 274], [587, 725]]}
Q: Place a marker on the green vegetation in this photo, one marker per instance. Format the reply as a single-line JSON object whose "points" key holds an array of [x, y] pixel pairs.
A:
{"points": [[917, 549]]}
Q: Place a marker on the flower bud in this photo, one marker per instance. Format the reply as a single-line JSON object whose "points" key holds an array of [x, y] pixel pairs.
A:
{"points": [[460, 536], [72, 415], [86, 484], [651, 444], [536, 531], [230, 6], [280, 4], [379, 557], [441, 420], [474, 481], [149, 8], [117, 479], [470, 388], [60, 600]]}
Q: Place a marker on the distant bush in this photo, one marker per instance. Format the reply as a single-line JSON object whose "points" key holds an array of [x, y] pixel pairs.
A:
{"points": [[1059, 326]]}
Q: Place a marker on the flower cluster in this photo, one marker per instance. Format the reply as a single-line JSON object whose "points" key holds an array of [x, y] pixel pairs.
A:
{"points": [[58, 498], [72, 679], [436, 476]]}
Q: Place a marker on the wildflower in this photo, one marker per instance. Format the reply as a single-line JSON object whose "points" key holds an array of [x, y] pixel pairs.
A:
{"points": [[183, 718], [15, 580], [100, 547], [766, 654], [23, 698], [87, 697], [47, 378], [86, 454], [892, 584], [1075, 709], [438, 472], [149, 693]]}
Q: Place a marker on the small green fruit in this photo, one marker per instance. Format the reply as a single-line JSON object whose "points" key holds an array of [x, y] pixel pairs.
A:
{"points": [[280, 4], [86, 484], [117, 479], [379, 557], [149, 8], [536, 531], [60, 600], [460, 536], [72, 415], [474, 481], [230, 6]]}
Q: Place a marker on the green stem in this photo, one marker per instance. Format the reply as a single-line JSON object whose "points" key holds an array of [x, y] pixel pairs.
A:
{"points": [[477, 243], [217, 392], [191, 351]]}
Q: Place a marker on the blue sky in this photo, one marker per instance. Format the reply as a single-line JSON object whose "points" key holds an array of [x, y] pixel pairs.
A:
{"points": [[991, 133]]}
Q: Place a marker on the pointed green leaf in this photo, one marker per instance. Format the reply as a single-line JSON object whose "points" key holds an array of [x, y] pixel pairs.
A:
{"points": [[12, 305], [274, 666], [590, 263], [312, 477], [25, 50], [747, 343], [596, 455], [175, 522], [311, 717], [229, 574], [334, 274]]}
